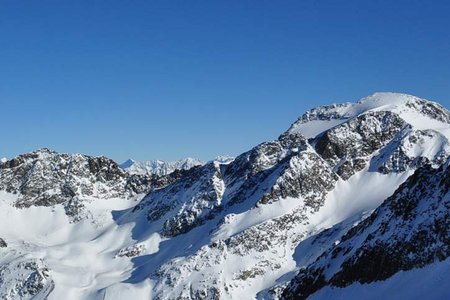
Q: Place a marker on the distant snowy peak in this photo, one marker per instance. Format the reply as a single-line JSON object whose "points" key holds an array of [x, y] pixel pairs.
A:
{"points": [[162, 168], [420, 113], [159, 167], [3, 160], [127, 164]]}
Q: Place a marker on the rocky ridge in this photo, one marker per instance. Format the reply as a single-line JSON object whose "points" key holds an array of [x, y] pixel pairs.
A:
{"points": [[47, 178]]}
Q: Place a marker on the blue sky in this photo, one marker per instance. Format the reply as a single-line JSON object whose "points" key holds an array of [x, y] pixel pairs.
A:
{"points": [[169, 79]]}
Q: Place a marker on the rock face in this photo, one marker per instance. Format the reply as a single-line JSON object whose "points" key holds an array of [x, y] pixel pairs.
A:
{"points": [[412, 149], [307, 176], [286, 218], [25, 279], [348, 146], [202, 188], [411, 229]]}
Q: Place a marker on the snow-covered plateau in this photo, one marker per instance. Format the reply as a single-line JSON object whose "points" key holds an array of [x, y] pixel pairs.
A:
{"points": [[351, 202]]}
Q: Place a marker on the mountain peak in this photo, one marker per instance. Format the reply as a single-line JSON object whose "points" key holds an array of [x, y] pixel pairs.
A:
{"points": [[392, 98], [44, 151], [128, 163], [390, 101], [418, 112]]}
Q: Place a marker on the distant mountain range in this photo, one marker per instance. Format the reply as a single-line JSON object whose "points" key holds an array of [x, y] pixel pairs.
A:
{"points": [[351, 202], [159, 167], [162, 168]]}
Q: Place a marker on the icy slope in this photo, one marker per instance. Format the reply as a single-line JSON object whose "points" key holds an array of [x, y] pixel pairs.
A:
{"points": [[234, 229]]}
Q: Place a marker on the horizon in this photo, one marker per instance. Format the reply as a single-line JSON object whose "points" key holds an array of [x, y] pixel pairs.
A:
{"points": [[218, 155], [166, 81]]}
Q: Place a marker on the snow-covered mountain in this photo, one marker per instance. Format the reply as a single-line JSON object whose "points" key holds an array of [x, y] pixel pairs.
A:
{"points": [[351, 198], [159, 167]]}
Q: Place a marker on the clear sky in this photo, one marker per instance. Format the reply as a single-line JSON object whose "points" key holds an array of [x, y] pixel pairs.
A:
{"points": [[169, 79]]}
